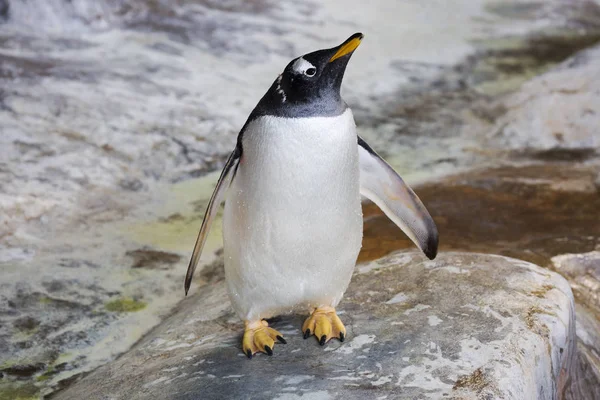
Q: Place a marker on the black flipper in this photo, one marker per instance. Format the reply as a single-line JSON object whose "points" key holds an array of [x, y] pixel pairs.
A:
{"points": [[382, 185], [213, 205]]}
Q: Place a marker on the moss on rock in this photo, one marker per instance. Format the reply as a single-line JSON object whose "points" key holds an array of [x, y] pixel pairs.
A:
{"points": [[125, 304]]}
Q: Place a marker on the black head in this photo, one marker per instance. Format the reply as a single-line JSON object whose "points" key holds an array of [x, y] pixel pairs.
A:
{"points": [[310, 85]]}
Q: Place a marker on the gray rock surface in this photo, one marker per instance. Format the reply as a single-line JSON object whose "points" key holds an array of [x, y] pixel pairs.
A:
{"points": [[556, 110], [585, 379], [465, 326], [583, 273]]}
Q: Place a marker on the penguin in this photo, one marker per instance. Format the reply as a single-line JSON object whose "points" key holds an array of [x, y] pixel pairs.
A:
{"points": [[292, 224]]}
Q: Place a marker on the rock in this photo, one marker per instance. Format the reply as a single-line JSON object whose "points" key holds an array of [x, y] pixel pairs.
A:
{"points": [[558, 110], [26, 323], [583, 272], [465, 326], [586, 372], [4, 9], [148, 258], [23, 370]]}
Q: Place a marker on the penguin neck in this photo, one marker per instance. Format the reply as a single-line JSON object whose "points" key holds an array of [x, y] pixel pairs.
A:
{"points": [[276, 102]]}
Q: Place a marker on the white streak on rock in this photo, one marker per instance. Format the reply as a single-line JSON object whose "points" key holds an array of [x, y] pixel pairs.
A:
{"points": [[356, 343], [398, 298], [156, 381], [382, 380], [417, 308]]}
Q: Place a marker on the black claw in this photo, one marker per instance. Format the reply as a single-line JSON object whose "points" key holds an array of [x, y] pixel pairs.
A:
{"points": [[281, 339], [342, 337], [268, 350], [307, 334], [249, 354], [322, 341]]}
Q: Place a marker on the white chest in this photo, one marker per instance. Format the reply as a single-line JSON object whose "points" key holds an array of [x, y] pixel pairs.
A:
{"points": [[300, 155]]}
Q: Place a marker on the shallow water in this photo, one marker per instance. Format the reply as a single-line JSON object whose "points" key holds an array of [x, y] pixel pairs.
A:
{"points": [[113, 114], [530, 212]]}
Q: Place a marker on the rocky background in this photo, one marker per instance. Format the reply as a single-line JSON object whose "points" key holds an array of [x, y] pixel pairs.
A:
{"points": [[115, 115]]}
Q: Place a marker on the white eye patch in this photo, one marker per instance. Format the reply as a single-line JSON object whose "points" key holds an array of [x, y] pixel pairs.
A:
{"points": [[301, 66]]}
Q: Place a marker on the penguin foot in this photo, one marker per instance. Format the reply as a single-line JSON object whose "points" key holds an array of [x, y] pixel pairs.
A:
{"points": [[324, 324], [258, 337]]}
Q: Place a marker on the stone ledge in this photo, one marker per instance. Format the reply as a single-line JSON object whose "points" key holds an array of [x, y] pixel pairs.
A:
{"points": [[464, 326]]}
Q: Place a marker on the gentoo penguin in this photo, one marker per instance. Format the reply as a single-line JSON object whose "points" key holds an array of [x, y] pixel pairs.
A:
{"points": [[292, 226]]}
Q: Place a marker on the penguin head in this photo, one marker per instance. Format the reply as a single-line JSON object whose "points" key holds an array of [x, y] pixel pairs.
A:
{"points": [[317, 74], [310, 84]]}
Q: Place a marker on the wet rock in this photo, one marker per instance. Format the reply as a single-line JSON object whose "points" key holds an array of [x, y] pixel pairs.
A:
{"points": [[558, 110], [530, 212], [23, 370], [26, 323], [508, 62], [463, 326], [4, 9], [213, 272], [54, 286], [152, 259], [131, 184], [69, 263]]}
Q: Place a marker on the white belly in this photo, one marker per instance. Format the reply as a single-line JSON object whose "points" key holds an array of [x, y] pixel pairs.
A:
{"points": [[292, 227]]}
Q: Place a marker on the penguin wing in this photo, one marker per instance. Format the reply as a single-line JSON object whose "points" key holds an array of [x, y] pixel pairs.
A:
{"points": [[384, 187], [213, 205]]}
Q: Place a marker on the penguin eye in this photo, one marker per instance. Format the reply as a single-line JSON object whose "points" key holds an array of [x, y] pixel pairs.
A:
{"points": [[310, 72]]}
